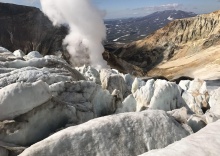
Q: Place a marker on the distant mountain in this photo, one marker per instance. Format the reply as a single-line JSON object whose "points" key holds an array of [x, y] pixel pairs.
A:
{"points": [[132, 29]]}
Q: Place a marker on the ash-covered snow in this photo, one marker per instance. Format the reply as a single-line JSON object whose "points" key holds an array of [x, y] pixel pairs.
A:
{"points": [[19, 98], [42, 95]]}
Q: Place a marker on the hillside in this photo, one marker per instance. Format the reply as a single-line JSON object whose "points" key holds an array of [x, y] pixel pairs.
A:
{"points": [[27, 28], [188, 47]]}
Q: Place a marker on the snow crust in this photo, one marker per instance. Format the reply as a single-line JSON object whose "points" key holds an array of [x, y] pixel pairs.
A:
{"points": [[19, 98], [113, 135], [203, 143]]}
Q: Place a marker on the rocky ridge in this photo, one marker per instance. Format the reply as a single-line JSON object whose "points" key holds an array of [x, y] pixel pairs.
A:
{"points": [[49, 108]]}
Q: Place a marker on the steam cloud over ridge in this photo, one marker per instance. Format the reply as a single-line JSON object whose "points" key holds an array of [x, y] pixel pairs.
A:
{"points": [[86, 29]]}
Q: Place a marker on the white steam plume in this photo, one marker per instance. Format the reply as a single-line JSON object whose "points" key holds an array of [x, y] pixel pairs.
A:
{"points": [[87, 29]]}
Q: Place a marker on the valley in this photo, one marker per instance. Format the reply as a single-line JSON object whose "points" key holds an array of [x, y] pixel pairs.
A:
{"points": [[185, 47]]}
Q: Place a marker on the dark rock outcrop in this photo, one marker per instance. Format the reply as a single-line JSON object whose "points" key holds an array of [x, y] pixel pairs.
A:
{"points": [[121, 65], [27, 28]]}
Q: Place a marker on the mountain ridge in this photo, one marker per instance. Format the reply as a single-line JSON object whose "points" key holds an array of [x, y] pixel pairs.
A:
{"points": [[132, 29]]}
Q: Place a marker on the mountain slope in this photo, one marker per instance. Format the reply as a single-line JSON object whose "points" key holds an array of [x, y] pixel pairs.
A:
{"points": [[182, 47], [132, 29]]}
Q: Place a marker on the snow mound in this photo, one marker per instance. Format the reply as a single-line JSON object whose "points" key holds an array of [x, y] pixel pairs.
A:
{"points": [[123, 134], [19, 98], [159, 94], [195, 95], [203, 143]]}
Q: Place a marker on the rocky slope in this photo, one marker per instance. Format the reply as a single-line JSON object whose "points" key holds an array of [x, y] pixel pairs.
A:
{"points": [[188, 47], [27, 28], [50, 108]]}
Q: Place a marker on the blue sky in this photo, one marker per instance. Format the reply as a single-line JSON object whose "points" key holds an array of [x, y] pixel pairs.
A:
{"points": [[132, 8]]}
